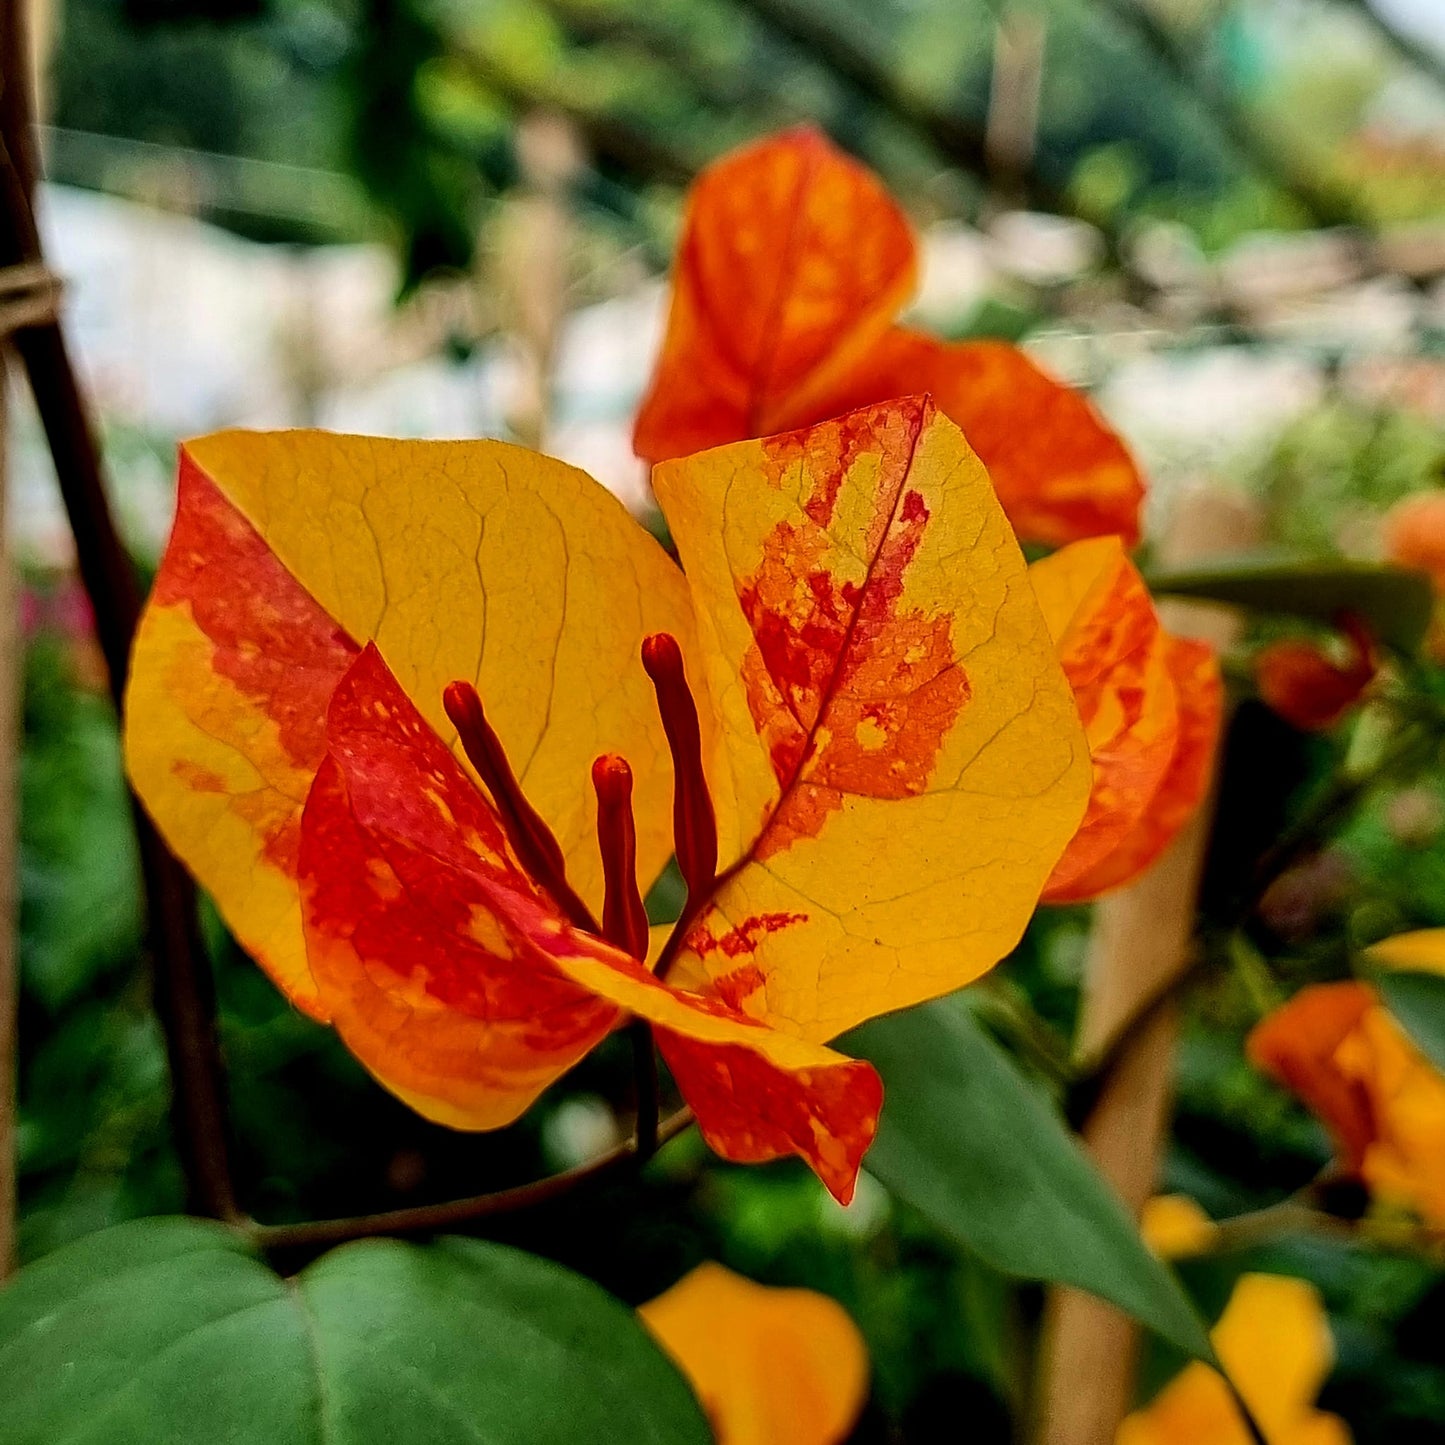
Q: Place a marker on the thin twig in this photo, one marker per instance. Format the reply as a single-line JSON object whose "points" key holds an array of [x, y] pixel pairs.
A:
{"points": [[644, 1062], [429, 1218], [183, 985]]}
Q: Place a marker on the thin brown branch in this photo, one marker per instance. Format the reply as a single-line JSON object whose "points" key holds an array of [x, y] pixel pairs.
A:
{"points": [[182, 981], [457, 1213]]}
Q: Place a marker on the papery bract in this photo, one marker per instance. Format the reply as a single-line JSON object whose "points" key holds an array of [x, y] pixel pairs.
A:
{"points": [[1150, 704], [1274, 1340], [1307, 687], [1175, 1227], [858, 624], [793, 264], [894, 741], [770, 1366], [1381, 1099]]}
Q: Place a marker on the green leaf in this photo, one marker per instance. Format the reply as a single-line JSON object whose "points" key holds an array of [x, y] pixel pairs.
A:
{"points": [[1396, 604], [1417, 999], [981, 1153], [171, 1331]]}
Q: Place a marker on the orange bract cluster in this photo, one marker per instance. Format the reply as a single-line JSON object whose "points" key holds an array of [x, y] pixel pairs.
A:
{"points": [[793, 266], [1150, 704], [1381, 1099], [421, 717]]}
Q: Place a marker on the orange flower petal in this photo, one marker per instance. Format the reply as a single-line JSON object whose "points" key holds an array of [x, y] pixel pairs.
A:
{"points": [[1061, 472], [1381, 1099], [234, 665], [1199, 696], [879, 669], [771, 1366], [1415, 535], [410, 903], [1114, 655], [1298, 1045], [1307, 687], [758, 1094], [793, 261]]}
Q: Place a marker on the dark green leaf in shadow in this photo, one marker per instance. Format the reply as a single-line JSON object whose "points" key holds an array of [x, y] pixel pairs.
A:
{"points": [[1396, 604], [973, 1146], [171, 1331]]}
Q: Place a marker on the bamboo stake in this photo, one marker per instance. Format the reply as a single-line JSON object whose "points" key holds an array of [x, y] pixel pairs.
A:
{"points": [[1140, 947]]}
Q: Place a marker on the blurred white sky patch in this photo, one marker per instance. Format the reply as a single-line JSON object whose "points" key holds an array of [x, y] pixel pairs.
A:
{"points": [[1422, 19]]}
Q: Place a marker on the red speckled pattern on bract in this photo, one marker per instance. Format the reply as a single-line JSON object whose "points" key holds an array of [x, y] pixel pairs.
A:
{"points": [[853, 692]]}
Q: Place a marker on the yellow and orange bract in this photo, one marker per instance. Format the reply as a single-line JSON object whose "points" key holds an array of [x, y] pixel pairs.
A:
{"points": [[890, 745], [1150, 704], [1307, 687], [1383, 1102], [793, 264], [1274, 1340], [861, 723], [770, 1366]]}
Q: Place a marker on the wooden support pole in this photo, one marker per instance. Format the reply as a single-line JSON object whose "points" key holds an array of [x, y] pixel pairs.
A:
{"points": [[1140, 947]]}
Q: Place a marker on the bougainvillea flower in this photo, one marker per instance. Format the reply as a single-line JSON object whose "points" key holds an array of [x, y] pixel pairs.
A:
{"points": [[1274, 1340], [793, 266], [347, 636], [1307, 687], [1383, 1102], [770, 1366], [1150, 704]]}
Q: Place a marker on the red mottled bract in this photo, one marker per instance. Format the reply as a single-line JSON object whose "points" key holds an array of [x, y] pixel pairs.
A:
{"points": [[410, 899]]}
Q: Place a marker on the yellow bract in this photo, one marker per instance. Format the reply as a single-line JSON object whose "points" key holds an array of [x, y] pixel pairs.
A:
{"points": [[770, 1366], [1423, 950], [1175, 1227], [472, 560], [1274, 1340], [899, 762]]}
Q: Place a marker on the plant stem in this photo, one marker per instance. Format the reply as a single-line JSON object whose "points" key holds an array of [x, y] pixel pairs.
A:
{"points": [[644, 1064], [184, 989], [428, 1218]]}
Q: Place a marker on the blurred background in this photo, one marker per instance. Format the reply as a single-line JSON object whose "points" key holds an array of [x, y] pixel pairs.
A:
{"points": [[1226, 218]]}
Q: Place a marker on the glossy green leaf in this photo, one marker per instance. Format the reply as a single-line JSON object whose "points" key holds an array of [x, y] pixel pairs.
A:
{"points": [[1417, 1000], [172, 1332], [1396, 604], [981, 1153]]}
